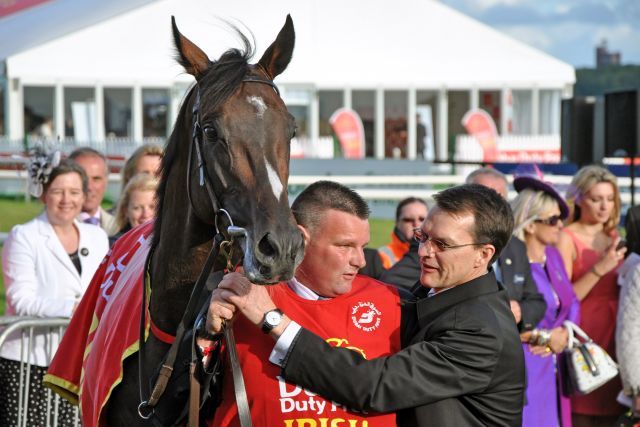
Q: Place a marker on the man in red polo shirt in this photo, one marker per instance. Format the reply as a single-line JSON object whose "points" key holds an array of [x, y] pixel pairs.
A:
{"points": [[328, 297]]}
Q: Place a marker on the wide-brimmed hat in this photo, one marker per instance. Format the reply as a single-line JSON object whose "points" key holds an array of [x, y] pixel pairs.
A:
{"points": [[531, 177]]}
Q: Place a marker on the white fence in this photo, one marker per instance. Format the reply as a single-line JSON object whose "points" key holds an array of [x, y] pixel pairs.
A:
{"points": [[512, 149], [371, 187], [26, 328]]}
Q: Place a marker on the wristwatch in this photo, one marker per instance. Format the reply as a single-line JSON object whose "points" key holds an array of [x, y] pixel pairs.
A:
{"points": [[271, 319]]}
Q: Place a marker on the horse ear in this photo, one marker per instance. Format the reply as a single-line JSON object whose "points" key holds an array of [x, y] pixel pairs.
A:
{"points": [[277, 56], [190, 56]]}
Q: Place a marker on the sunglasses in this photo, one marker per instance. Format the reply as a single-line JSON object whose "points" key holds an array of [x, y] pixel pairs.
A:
{"points": [[412, 220], [420, 236], [552, 220]]}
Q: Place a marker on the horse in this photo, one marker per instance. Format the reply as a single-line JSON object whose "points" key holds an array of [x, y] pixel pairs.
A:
{"points": [[229, 150]]}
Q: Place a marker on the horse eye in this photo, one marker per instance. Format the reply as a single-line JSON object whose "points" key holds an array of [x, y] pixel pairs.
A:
{"points": [[211, 133], [294, 132]]}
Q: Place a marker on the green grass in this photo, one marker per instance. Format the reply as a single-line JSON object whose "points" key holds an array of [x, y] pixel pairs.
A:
{"points": [[16, 211], [380, 232]]}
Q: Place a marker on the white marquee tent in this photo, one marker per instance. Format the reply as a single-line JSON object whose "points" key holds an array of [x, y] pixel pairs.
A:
{"points": [[340, 45]]}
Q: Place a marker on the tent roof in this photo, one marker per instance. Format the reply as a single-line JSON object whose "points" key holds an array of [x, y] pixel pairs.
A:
{"points": [[355, 43], [55, 18]]}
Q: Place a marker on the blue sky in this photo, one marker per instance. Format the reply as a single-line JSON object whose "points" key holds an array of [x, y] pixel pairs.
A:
{"points": [[566, 29]]}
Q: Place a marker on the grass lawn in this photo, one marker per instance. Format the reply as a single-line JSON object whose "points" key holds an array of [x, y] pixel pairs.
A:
{"points": [[17, 211], [14, 211]]}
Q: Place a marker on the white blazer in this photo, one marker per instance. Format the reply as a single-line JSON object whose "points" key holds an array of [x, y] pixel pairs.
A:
{"points": [[40, 279]]}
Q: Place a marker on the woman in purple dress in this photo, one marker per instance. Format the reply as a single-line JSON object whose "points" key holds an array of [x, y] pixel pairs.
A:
{"points": [[539, 211]]}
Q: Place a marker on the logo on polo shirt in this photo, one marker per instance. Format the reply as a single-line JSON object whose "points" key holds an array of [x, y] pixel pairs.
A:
{"points": [[366, 316]]}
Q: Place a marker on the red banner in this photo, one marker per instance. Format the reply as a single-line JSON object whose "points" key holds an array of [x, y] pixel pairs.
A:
{"points": [[479, 124], [347, 126]]}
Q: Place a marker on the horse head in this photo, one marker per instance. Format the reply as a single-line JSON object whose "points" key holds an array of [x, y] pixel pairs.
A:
{"points": [[239, 155]]}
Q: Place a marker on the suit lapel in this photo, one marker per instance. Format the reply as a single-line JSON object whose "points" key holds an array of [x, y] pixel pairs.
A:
{"points": [[54, 246], [429, 308], [506, 267]]}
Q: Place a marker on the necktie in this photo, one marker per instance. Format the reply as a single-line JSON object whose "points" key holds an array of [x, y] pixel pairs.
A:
{"points": [[92, 220]]}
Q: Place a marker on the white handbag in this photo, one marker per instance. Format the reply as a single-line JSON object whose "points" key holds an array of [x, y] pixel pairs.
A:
{"points": [[588, 365]]}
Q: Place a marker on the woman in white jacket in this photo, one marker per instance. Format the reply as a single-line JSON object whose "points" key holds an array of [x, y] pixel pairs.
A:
{"points": [[47, 265]]}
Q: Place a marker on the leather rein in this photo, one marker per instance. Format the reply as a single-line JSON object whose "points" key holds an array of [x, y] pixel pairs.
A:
{"points": [[223, 239]]}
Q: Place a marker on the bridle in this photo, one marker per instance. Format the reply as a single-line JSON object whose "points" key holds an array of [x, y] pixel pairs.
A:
{"points": [[196, 138], [222, 239]]}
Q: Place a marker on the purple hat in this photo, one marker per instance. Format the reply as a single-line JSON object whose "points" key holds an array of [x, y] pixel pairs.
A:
{"points": [[534, 179]]}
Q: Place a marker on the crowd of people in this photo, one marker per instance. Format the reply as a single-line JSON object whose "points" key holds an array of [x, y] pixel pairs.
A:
{"points": [[563, 263], [459, 320], [49, 261]]}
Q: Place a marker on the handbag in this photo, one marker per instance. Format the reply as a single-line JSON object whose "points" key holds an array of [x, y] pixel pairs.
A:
{"points": [[588, 366]]}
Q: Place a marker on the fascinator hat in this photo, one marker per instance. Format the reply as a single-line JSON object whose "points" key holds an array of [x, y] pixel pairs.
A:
{"points": [[530, 176], [42, 159]]}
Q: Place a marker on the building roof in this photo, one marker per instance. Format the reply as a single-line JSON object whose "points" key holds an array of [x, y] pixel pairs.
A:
{"points": [[355, 43]]}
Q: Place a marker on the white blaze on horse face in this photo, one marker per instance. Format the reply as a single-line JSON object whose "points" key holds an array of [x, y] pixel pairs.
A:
{"points": [[259, 105], [274, 180]]}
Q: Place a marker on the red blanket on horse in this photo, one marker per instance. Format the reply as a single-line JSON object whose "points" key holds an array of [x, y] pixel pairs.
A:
{"points": [[104, 329]]}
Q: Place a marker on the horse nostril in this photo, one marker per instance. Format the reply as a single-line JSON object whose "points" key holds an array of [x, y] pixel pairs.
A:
{"points": [[267, 247], [264, 270]]}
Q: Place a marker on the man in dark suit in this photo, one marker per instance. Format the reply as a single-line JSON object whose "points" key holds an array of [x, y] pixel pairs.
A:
{"points": [[462, 362], [512, 268]]}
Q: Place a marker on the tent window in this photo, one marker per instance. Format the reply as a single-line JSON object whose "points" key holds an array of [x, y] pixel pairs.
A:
{"points": [[490, 102], [117, 112], [301, 114], [364, 103], [155, 106], [522, 112], [459, 103], [426, 122], [80, 114], [2, 109], [549, 112], [395, 123], [329, 101], [38, 111]]}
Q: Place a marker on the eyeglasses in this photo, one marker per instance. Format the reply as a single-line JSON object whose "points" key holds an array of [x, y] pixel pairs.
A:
{"points": [[412, 220], [552, 220], [420, 236]]}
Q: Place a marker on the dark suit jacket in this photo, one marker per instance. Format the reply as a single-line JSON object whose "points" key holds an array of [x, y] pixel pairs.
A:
{"points": [[406, 272], [462, 363], [517, 279], [373, 268], [632, 226]]}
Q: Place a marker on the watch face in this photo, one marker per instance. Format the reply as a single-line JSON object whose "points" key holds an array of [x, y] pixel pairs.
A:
{"points": [[273, 318]]}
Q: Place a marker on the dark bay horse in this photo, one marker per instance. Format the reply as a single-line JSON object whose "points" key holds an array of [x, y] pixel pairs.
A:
{"points": [[229, 149]]}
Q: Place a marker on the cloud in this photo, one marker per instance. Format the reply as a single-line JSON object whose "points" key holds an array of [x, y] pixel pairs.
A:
{"points": [[596, 13], [510, 15], [566, 29], [516, 14], [629, 11]]}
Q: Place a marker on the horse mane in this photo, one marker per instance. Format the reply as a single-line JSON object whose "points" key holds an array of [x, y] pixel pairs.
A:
{"points": [[216, 86]]}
